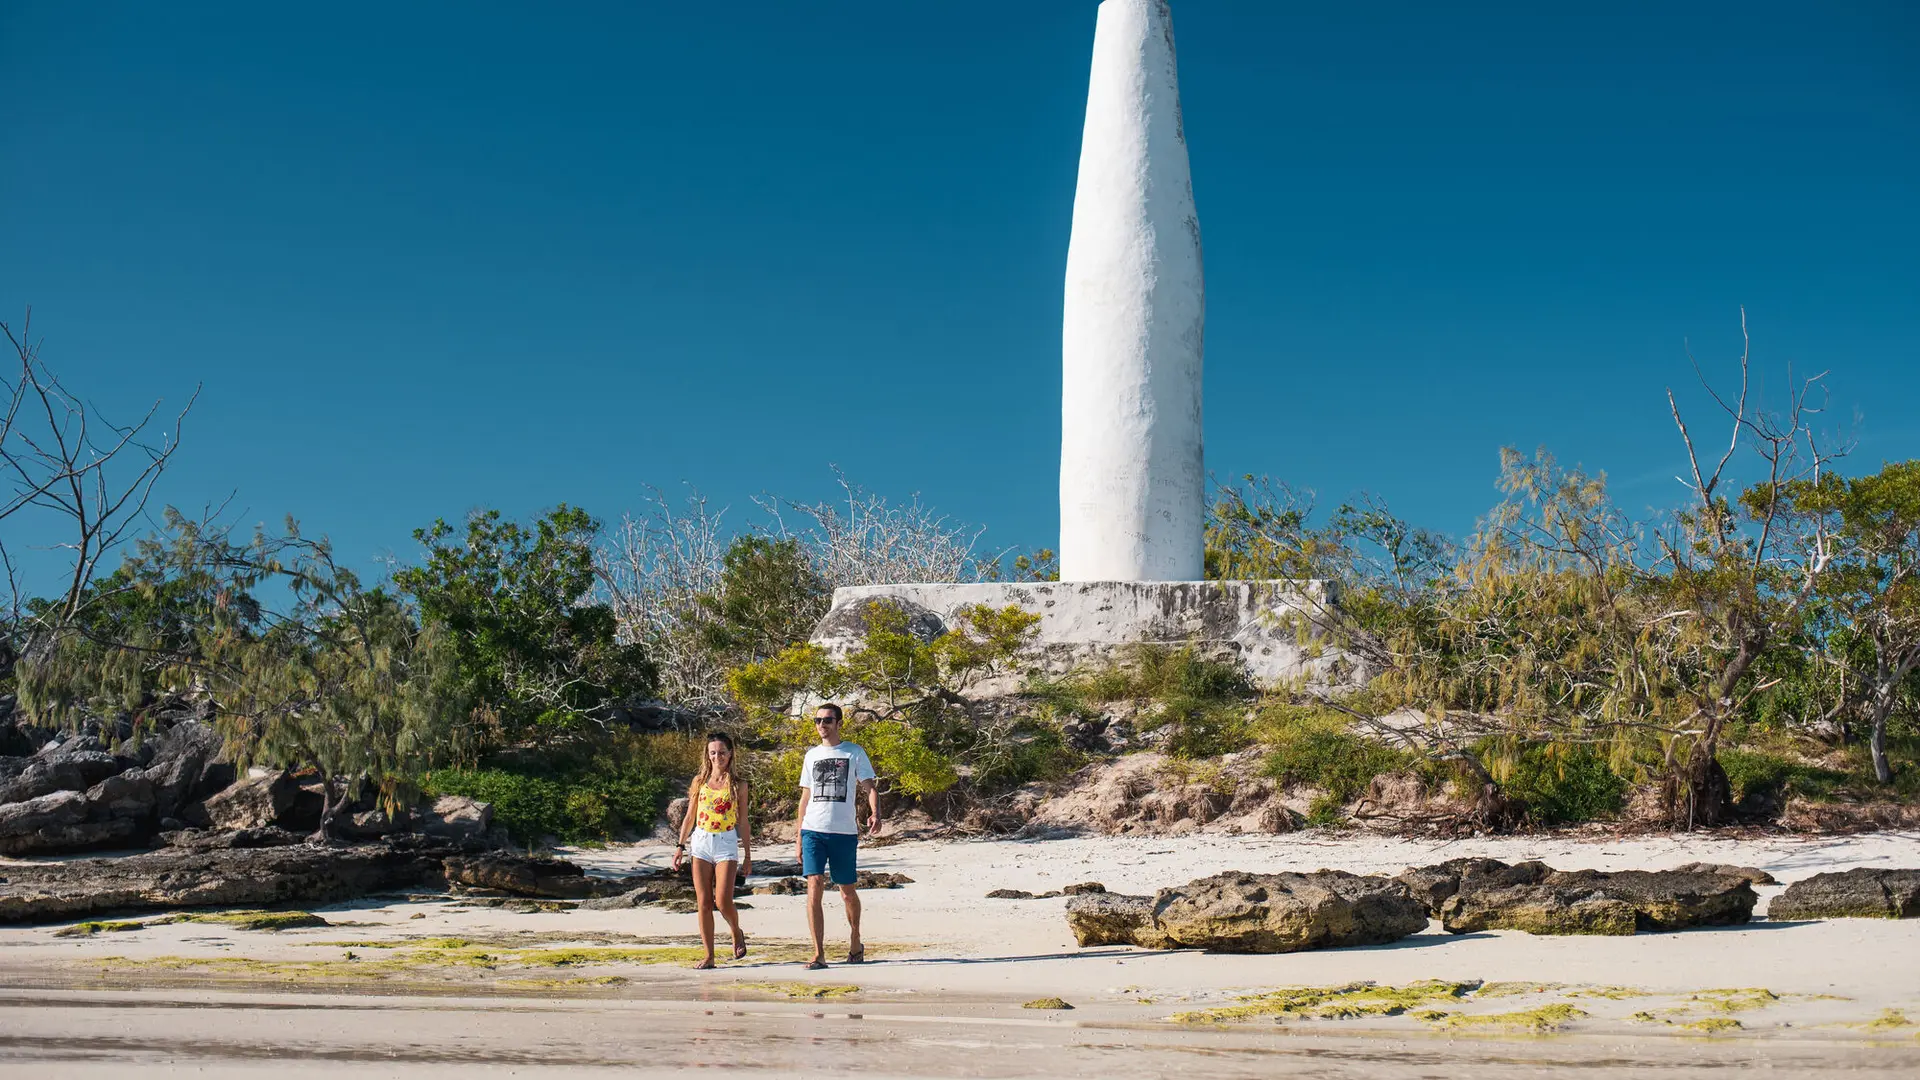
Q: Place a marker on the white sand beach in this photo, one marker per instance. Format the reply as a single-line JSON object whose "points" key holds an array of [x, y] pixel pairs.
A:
{"points": [[954, 968]]}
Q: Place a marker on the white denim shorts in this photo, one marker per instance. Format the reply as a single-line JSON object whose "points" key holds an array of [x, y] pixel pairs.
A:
{"points": [[715, 847]]}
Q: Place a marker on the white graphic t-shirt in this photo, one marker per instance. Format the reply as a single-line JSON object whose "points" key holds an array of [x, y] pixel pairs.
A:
{"points": [[832, 775]]}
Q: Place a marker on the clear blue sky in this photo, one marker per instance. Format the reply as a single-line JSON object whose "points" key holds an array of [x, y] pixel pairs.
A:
{"points": [[428, 257]]}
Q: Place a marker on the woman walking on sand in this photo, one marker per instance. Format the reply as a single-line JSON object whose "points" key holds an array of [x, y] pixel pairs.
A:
{"points": [[722, 841]]}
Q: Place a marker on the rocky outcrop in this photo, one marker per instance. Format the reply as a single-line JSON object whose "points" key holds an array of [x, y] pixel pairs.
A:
{"points": [[170, 879], [128, 796], [46, 811], [454, 817], [206, 840], [1434, 885], [1538, 899], [1861, 893], [1275, 913], [33, 778], [1749, 874], [185, 767], [1115, 919], [254, 802], [526, 875]]}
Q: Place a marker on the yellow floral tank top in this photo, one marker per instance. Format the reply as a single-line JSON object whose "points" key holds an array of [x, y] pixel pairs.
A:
{"points": [[716, 812]]}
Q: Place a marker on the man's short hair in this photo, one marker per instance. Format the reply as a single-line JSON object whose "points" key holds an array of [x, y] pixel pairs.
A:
{"points": [[828, 707]]}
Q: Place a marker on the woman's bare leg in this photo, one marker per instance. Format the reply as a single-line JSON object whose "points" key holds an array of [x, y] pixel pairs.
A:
{"points": [[723, 876], [703, 897]]}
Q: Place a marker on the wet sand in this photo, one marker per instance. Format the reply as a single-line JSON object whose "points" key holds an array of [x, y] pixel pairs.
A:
{"points": [[945, 997], [141, 1034]]}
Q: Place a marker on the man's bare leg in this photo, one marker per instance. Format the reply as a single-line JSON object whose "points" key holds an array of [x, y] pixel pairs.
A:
{"points": [[816, 918], [850, 899]]}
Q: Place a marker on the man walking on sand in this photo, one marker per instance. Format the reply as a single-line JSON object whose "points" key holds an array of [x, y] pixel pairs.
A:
{"points": [[827, 833]]}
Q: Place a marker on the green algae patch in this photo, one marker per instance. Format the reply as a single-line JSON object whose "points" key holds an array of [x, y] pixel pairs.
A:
{"points": [[1541, 1021], [446, 957], [1610, 993], [1888, 1020], [1712, 1025], [1046, 1003], [1516, 989], [88, 929], [815, 991], [585, 983], [255, 920], [1347, 1002], [1733, 1000]]}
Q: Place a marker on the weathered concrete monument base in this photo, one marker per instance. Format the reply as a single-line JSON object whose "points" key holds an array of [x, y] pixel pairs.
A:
{"points": [[1269, 626]]}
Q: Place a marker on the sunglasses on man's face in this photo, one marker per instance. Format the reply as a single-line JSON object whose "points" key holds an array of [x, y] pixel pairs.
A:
{"points": [[827, 720]]}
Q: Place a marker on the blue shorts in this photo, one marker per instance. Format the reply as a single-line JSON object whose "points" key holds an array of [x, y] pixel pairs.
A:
{"points": [[828, 853]]}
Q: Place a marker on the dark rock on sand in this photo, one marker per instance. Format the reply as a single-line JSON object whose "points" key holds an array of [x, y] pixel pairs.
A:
{"points": [[206, 840], [1276, 913], [1749, 874], [632, 898], [1538, 899], [1106, 918], [528, 875], [794, 885], [1082, 889], [174, 879], [1850, 894]]}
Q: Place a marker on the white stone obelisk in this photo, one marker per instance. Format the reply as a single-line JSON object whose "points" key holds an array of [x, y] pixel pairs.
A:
{"points": [[1132, 481]]}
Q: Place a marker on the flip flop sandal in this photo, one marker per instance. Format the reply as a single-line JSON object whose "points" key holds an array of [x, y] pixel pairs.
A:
{"points": [[816, 965], [704, 965], [739, 952], [858, 956]]}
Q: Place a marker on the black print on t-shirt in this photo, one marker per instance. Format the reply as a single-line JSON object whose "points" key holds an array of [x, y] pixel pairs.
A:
{"points": [[830, 778]]}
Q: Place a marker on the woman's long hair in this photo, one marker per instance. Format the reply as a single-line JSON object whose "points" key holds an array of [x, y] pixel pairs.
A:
{"points": [[706, 767]]}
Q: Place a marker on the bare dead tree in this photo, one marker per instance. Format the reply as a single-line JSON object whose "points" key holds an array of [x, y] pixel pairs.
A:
{"points": [[654, 570], [60, 456], [1738, 581], [862, 539]]}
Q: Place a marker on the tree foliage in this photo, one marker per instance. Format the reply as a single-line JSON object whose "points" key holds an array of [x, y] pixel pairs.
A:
{"points": [[515, 606], [336, 677], [910, 708]]}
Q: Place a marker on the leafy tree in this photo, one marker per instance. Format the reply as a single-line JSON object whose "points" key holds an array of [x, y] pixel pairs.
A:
{"points": [[513, 604], [769, 597], [338, 678], [1872, 592], [911, 712]]}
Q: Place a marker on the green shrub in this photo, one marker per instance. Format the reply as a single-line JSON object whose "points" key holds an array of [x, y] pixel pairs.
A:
{"points": [[588, 798], [1202, 728], [1204, 701], [1309, 746], [900, 753], [1036, 750], [1763, 774], [1559, 783]]}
